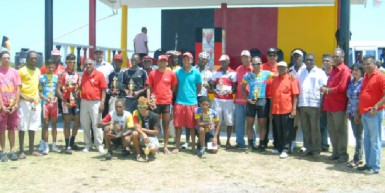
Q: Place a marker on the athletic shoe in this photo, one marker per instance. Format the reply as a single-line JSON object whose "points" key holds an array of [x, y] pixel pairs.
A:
{"points": [[45, 150], [14, 156], [109, 156], [261, 148], [101, 149], [55, 149], [274, 151], [283, 155], [184, 146], [4, 157], [201, 152], [41, 146], [86, 150], [68, 150], [22, 155], [303, 149], [363, 168], [370, 172], [74, 147]]}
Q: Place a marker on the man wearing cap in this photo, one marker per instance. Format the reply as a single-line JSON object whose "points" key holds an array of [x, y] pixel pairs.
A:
{"points": [[270, 65], [309, 102], [59, 70], [134, 80], [240, 101], [93, 87], [161, 84], [284, 95], [115, 90], [223, 83], [335, 103], [189, 85], [298, 66], [173, 59], [140, 43], [147, 64]]}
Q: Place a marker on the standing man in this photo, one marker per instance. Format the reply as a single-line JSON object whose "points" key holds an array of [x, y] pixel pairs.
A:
{"points": [[173, 60], [371, 108], [189, 85], [134, 80], [335, 102], [284, 95], [327, 68], [105, 68], [9, 101], [223, 83], [68, 91], [140, 43], [147, 64], [240, 101], [256, 101], [310, 82], [30, 108], [93, 87], [115, 89], [270, 65], [161, 84]]}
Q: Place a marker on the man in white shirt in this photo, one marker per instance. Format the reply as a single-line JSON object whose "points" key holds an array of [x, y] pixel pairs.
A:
{"points": [[309, 102], [140, 43]]}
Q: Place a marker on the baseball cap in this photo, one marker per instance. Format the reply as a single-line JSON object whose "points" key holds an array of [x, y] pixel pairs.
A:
{"points": [[282, 63], [117, 57], [55, 52], [245, 53], [204, 55], [297, 51], [187, 54], [162, 57], [98, 50], [173, 53], [224, 57], [146, 58], [271, 51]]}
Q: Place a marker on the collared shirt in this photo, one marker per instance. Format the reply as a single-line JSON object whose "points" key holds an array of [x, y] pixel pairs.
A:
{"points": [[224, 82], [372, 90], [206, 77], [241, 71], [338, 82], [353, 94], [187, 86], [283, 90], [273, 69], [105, 68], [310, 84], [139, 41], [93, 85], [257, 82], [292, 70]]}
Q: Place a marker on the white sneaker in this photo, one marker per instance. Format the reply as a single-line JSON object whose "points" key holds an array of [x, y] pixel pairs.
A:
{"points": [[55, 149], [283, 155], [46, 150], [101, 149], [303, 149], [41, 146], [274, 151], [86, 150], [184, 146]]}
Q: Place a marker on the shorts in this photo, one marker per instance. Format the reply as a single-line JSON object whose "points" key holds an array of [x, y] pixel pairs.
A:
{"points": [[260, 111], [68, 110], [29, 119], [153, 142], [163, 109], [184, 116], [50, 110], [224, 110], [9, 120]]}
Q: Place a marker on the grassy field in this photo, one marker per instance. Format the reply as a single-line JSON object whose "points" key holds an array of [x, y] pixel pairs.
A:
{"points": [[228, 171]]}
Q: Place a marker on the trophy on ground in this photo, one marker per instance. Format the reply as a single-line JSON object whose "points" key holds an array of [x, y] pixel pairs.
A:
{"points": [[146, 151]]}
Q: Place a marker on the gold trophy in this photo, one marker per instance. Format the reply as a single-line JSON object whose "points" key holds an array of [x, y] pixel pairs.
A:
{"points": [[115, 82], [131, 87], [72, 99], [33, 108], [146, 151], [69, 87], [11, 103], [153, 101], [256, 93], [51, 97]]}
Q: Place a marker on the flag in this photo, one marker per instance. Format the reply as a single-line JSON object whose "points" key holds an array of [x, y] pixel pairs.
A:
{"points": [[5, 43]]}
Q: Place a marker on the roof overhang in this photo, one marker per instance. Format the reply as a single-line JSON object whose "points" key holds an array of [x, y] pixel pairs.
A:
{"points": [[116, 4]]}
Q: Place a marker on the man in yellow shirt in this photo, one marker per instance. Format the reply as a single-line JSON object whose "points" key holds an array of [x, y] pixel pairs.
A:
{"points": [[29, 111]]}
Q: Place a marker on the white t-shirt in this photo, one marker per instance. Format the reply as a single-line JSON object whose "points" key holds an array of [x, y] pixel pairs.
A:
{"points": [[105, 68], [139, 41], [206, 77]]}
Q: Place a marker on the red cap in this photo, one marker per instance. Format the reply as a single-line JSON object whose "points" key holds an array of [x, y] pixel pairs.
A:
{"points": [[55, 52], [163, 57], [118, 57], [146, 58], [187, 54]]}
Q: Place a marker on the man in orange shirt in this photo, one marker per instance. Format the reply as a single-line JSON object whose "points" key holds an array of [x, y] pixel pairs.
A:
{"points": [[93, 87], [284, 95], [371, 108]]}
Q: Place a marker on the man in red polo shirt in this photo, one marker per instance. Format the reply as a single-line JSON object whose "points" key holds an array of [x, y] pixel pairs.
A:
{"points": [[335, 102], [371, 108], [284, 95], [93, 87]]}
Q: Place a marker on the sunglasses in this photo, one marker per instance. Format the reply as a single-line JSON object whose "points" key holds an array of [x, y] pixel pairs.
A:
{"points": [[256, 63], [142, 107]]}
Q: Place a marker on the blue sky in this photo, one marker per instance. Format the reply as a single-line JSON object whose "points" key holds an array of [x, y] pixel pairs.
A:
{"points": [[23, 22]]}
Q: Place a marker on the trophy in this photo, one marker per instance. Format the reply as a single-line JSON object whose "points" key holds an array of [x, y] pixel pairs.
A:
{"points": [[146, 151], [114, 85], [11, 103], [220, 86], [72, 99], [51, 97], [152, 101], [69, 87], [256, 93], [131, 87], [33, 108]]}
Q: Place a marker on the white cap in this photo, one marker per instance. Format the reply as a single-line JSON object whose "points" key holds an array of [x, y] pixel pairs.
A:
{"points": [[224, 57], [245, 53], [297, 52], [282, 63]]}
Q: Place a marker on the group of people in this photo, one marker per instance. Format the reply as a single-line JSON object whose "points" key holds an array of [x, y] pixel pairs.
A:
{"points": [[118, 106]]}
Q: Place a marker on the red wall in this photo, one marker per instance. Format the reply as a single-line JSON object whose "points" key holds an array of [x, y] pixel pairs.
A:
{"points": [[248, 28]]}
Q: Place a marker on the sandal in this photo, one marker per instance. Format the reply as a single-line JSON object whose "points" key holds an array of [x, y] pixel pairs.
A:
{"points": [[166, 151]]}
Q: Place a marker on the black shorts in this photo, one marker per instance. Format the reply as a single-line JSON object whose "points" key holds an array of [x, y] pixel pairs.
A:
{"points": [[71, 110], [260, 111], [163, 109], [209, 136]]}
